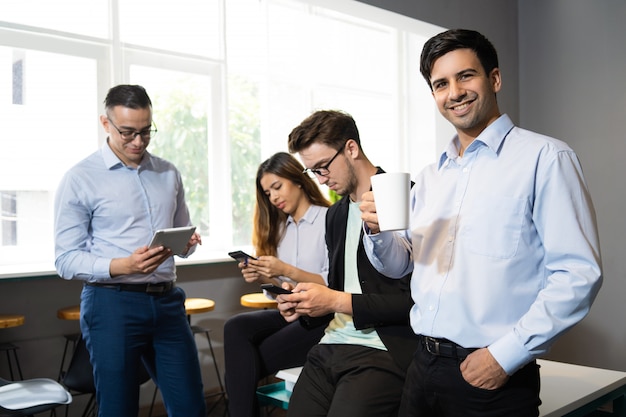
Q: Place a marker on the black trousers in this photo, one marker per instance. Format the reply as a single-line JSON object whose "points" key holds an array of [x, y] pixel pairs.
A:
{"points": [[347, 381], [435, 388], [258, 344]]}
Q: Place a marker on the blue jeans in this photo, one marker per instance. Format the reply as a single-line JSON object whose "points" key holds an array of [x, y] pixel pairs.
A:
{"points": [[120, 329]]}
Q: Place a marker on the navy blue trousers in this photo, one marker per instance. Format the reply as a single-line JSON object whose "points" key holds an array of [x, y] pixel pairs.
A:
{"points": [[122, 328]]}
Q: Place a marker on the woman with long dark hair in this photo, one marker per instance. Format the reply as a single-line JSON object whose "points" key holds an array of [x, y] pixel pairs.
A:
{"points": [[288, 237]]}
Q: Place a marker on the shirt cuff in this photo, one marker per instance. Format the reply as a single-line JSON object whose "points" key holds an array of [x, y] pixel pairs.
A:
{"points": [[102, 269], [510, 353], [374, 243]]}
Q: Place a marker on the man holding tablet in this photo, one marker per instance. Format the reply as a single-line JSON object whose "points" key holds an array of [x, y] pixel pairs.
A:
{"points": [[107, 209]]}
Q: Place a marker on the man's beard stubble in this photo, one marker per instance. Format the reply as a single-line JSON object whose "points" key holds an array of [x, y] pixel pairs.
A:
{"points": [[351, 182]]}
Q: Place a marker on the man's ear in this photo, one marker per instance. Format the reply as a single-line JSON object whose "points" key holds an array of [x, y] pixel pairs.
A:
{"points": [[495, 78], [105, 122], [353, 148]]}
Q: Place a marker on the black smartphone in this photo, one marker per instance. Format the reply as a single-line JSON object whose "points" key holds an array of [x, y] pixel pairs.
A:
{"points": [[241, 256], [275, 289]]}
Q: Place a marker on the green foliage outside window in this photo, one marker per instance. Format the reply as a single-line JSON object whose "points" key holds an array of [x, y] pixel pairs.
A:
{"points": [[182, 140]]}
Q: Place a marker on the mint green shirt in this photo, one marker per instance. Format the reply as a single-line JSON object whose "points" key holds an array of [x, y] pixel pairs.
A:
{"points": [[341, 328]]}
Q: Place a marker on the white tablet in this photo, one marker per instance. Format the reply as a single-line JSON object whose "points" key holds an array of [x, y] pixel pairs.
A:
{"points": [[175, 238]]}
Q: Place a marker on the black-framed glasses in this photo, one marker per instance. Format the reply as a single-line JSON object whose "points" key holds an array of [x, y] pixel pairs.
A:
{"points": [[323, 171], [132, 134]]}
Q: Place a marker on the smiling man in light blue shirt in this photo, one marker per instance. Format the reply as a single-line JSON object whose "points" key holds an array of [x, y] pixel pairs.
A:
{"points": [[502, 244]]}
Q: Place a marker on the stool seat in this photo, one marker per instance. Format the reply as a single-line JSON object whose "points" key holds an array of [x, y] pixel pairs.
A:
{"points": [[11, 320], [33, 396], [198, 305], [257, 300], [69, 313]]}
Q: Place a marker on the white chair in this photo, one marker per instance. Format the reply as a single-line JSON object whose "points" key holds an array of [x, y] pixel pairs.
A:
{"points": [[32, 396]]}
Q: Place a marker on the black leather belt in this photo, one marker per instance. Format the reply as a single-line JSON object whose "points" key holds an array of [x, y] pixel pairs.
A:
{"points": [[148, 288], [445, 348]]}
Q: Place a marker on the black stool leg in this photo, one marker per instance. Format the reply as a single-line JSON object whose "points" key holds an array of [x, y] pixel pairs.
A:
{"points": [[156, 389], [8, 348], [222, 393]]}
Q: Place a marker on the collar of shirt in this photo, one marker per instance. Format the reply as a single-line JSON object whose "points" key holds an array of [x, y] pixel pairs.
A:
{"points": [[111, 161], [492, 137], [310, 215]]}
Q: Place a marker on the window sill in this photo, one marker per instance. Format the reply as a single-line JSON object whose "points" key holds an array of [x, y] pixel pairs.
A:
{"points": [[46, 270]]}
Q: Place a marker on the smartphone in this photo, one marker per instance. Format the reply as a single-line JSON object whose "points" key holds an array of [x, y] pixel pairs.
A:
{"points": [[275, 289], [241, 256]]}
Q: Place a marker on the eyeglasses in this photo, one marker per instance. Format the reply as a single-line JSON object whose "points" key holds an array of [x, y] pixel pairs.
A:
{"points": [[323, 171], [132, 134]]}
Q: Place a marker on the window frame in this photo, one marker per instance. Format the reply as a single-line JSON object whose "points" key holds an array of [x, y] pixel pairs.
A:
{"points": [[416, 124]]}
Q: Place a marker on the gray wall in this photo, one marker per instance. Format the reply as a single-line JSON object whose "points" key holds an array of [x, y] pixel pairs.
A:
{"points": [[567, 81], [572, 66]]}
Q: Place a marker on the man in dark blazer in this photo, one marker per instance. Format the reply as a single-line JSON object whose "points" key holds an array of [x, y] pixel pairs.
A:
{"points": [[358, 368]]}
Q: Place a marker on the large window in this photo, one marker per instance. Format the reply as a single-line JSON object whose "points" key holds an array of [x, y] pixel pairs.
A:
{"points": [[228, 81]]}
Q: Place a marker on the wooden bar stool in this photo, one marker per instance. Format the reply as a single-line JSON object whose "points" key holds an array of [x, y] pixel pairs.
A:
{"points": [[257, 300], [73, 313], [7, 321], [204, 305], [198, 306], [68, 313]]}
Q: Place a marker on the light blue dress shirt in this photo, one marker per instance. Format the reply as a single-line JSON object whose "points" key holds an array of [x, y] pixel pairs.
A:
{"points": [[304, 245], [106, 210], [503, 245]]}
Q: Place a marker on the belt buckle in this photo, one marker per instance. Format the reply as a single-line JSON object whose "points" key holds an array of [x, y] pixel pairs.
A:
{"points": [[432, 345], [155, 289]]}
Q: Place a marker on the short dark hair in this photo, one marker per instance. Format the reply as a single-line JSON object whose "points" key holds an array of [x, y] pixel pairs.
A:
{"points": [[131, 96], [330, 127], [454, 39]]}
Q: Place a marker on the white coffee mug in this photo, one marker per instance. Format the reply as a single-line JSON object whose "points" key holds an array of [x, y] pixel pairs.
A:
{"points": [[391, 195]]}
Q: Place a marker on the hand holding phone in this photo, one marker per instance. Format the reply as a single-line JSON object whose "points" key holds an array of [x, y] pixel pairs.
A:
{"points": [[275, 289], [241, 256]]}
